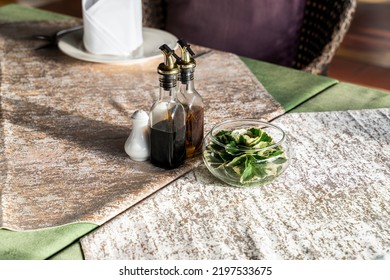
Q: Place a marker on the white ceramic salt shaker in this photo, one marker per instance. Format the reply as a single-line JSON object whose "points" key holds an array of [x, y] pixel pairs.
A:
{"points": [[137, 144]]}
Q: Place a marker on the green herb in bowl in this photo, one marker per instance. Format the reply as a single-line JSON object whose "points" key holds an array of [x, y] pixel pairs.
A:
{"points": [[243, 153]]}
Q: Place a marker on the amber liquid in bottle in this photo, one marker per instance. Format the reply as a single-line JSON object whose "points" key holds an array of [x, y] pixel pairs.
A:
{"points": [[168, 145], [194, 130], [191, 100]]}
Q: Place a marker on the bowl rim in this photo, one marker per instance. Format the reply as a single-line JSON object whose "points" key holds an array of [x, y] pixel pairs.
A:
{"points": [[276, 144]]}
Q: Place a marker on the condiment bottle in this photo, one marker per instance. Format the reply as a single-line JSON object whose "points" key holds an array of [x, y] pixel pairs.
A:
{"points": [[137, 144], [192, 101], [167, 117]]}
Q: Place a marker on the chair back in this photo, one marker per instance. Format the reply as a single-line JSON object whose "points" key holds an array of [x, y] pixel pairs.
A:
{"points": [[325, 23], [324, 26]]}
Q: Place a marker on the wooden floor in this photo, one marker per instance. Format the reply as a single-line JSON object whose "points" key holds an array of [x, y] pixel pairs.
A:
{"points": [[363, 57]]}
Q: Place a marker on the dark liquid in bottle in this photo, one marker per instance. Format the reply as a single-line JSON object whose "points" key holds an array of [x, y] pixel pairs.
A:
{"points": [[194, 132], [167, 147]]}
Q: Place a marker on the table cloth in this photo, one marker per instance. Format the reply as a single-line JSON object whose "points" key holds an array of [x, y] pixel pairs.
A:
{"points": [[15, 12], [63, 137], [290, 87], [65, 124], [331, 203]]}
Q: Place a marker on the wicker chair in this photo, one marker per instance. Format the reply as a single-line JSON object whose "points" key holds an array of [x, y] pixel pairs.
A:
{"points": [[324, 26]]}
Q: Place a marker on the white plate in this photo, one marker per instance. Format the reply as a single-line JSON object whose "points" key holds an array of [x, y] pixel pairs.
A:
{"points": [[72, 45]]}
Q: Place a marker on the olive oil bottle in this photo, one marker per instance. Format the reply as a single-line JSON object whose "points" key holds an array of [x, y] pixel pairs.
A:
{"points": [[191, 99], [167, 117]]}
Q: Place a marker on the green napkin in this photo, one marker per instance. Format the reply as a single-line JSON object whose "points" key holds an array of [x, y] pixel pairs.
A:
{"points": [[288, 86], [14, 12], [349, 97], [42, 244]]}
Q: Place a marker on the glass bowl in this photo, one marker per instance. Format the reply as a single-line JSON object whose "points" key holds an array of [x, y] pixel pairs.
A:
{"points": [[246, 153]]}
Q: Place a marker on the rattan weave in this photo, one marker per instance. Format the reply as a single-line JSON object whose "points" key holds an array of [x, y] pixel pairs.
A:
{"points": [[324, 26]]}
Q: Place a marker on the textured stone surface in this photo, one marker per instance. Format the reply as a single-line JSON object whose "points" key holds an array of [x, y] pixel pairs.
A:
{"points": [[333, 202], [64, 123]]}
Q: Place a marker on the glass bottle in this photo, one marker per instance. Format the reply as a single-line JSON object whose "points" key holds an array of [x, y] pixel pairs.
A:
{"points": [[167, 117], [192, 101]]}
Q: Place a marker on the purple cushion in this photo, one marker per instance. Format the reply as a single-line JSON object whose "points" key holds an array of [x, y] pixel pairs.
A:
{"points": [[260, 29]]}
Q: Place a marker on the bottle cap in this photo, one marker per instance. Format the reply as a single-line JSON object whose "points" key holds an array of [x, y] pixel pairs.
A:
{"points": [[186, 61], [169, 66]]}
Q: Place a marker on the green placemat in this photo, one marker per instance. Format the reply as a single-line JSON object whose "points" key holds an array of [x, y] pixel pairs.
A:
{"points": [[15, 12], [43, 244], [348, 97], [288, 86], [72, 252]]}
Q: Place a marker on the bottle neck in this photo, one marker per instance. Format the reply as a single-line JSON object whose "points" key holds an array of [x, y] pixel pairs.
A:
{"points": [[186, 76], [168, 87], [167, 94], [168, 82], [188, 86]]}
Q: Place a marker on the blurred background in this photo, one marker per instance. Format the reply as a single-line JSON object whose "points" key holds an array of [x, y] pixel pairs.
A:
{"points": [[363, 57]]}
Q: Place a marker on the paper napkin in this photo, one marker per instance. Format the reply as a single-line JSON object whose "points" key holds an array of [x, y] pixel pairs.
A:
{"points": [[112, 27]]}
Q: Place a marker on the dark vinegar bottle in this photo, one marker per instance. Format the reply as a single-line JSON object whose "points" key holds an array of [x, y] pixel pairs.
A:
{"points": [[167, 118]]}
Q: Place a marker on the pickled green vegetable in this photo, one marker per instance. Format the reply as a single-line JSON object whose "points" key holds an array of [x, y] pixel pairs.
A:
{"points": [[248, 155]]}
